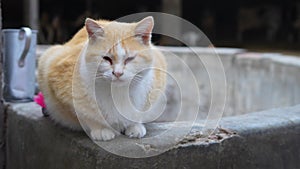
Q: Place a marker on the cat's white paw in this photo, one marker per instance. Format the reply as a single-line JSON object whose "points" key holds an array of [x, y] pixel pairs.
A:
{"points": [[102, 134], [136, 130]]}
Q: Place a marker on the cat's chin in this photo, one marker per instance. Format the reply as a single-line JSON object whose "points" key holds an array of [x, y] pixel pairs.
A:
{"points": [[120, 82]]}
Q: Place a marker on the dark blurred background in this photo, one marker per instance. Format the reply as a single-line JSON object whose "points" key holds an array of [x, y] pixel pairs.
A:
{"points": [[230, 23]]}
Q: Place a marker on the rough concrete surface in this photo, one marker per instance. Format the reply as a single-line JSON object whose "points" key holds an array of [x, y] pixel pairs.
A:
{"points": [[266, 140], [253, 81], [264, 81]]}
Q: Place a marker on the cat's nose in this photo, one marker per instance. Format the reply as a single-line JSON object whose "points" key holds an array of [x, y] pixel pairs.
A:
{"points": [[117, 74]]}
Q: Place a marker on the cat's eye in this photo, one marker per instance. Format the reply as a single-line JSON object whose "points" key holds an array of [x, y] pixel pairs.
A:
{"points": [[129, 59], [107, 59]]}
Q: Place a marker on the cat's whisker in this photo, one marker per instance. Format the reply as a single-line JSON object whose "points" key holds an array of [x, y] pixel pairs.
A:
{"points": [[101, 76], [138, 81]]}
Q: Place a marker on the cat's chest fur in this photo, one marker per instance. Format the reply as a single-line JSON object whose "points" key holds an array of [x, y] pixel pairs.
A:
{"points": [[117, 104]]}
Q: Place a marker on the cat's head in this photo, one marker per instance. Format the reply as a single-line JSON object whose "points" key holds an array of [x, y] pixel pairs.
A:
{"points": [[122, 50]]}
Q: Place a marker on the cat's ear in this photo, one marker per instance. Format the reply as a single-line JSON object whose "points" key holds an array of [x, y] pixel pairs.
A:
{"points": [[143, 30], [93, 29]]}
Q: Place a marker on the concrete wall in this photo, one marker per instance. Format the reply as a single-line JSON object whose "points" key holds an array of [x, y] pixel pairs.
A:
{"points": [[254, 81], [212, 70], [265, 81]]}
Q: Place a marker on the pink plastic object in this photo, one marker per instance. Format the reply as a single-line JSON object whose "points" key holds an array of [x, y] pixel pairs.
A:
{"points": [[39, 99]]}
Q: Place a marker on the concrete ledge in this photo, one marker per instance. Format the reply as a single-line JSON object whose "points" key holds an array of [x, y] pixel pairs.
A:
{"points": [[268, 139]]}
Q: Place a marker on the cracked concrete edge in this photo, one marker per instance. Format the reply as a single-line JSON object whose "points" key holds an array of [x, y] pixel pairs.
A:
{"points": [[256, 140]]}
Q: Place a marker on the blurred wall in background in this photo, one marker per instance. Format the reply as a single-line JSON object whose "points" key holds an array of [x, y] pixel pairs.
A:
{"points": [[226, 23]]}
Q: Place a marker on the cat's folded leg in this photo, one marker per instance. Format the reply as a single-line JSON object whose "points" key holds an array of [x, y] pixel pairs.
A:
{"points": [[137, 130]]}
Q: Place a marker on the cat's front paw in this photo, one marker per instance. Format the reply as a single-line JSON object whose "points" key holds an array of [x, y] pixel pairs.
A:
{"points": [[102, 134], [136, 130]]}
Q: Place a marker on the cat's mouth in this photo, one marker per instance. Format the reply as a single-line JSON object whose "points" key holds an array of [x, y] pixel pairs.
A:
{"points": [[118, 81], [113, 79]]}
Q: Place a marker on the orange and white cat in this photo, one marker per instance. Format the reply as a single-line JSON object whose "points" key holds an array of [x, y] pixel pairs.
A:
{"points": [[94, 80]]}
